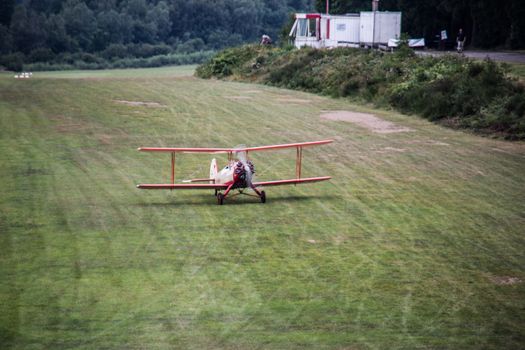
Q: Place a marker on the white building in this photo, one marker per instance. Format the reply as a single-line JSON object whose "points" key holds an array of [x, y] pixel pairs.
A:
{"points": [[352, 30]]}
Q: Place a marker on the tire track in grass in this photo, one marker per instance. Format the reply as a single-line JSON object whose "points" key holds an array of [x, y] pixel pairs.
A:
{"points": [[101, 222], [36, 183], [11, 287], [121, 172]]}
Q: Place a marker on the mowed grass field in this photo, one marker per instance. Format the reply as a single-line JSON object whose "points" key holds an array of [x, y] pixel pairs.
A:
{"points": [[418, 241]]}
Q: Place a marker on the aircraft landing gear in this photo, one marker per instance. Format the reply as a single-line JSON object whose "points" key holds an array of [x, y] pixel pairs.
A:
{"points": [[222, 196]]}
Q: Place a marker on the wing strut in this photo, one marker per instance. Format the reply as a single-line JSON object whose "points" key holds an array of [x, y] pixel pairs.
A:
{"points": [[172, 168], [298, 162]]}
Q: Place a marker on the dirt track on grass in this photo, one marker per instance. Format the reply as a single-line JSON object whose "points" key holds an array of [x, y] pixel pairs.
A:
{"points": [[365, 120]]}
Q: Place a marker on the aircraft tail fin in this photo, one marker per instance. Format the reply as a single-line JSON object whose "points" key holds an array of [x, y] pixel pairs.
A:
{"points": [[213, 169]]}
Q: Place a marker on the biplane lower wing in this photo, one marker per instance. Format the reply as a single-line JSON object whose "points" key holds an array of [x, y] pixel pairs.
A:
{"points": [[291, 181], [192, 186], [182, 186]]}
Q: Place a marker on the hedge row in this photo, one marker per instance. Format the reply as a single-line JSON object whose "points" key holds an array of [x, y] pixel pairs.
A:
{"points": [[91, 61]]}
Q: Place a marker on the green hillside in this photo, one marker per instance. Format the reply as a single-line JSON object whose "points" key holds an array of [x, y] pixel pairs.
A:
{"points": [[482, 96], [416, 242]]}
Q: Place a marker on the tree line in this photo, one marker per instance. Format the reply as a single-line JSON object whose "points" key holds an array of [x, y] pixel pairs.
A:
{"points": [[61, 30], [100, 31]]}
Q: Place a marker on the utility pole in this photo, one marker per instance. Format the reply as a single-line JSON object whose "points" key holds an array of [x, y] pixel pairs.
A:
{"points": [[327, 6], [375, 5]]}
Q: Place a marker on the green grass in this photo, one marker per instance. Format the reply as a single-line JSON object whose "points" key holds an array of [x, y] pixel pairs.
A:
{"points": [[399, 250], [517, 70], [168, 71]]}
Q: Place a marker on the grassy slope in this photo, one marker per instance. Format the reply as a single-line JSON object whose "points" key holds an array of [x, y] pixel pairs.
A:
{"points": [[407, 235]]}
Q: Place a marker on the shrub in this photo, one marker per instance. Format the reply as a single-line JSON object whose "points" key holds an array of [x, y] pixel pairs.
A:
{"points": [[86, 58], [228, 61], [46, 66], [148, 50], [114, 51], [13, 62], [41, 55], [191, 45], [76, 61]]}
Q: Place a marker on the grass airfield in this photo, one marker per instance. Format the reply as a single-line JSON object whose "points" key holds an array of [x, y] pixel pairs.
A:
{"points": [[417, 241]]}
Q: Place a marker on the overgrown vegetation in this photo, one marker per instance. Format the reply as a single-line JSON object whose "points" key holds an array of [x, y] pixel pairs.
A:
{"points": [[517, 70], [453, 90], [90, 61]]}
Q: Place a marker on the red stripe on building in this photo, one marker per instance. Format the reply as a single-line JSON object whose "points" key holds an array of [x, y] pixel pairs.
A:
{"points": [[313, 15]]}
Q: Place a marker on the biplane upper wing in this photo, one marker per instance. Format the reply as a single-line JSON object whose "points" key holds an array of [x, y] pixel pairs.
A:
{"points": [[231, 150], [185, 149], [182, 186], [288, 145], [291, 181]]}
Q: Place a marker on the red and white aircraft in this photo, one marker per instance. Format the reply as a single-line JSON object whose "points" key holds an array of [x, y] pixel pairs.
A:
{"points": [[237, 174]]}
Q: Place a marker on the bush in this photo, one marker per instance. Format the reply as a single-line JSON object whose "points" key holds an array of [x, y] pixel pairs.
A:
{"points": [[86, 58], [76, 61], [13, 62], [191, 45], [46, 66], [148, 50], [115, 51], [41, 55], [230, 61]]}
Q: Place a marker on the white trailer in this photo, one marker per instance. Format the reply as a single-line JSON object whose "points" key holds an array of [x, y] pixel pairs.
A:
{"points": [[354, 30], [307, 30], [377, 28], [320, 31], [342, 31]]}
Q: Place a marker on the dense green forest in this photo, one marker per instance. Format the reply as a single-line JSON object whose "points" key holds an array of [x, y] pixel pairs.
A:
{"points": [[124, 33], [98, 33]]}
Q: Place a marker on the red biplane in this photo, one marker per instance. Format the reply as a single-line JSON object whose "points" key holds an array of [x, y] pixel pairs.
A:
{"points": [[237, 174]]}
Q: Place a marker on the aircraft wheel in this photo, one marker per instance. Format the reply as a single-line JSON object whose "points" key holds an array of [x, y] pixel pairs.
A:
{"points": [[220, 199], [263, 197]]}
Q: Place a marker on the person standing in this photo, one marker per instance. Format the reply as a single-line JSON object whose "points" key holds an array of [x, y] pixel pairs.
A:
{"points": [[266, 40], [461, 40]]}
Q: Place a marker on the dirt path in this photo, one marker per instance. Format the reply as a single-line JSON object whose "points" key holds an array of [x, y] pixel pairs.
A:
{"points": [[365, 120]]}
